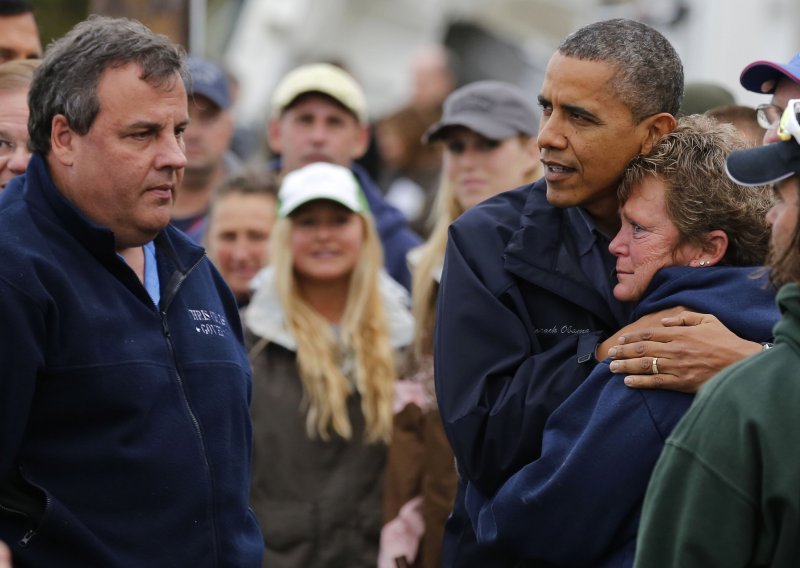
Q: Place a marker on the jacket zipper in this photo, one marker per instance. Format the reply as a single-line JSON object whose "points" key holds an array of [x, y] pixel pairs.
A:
{"points": [[171, 292], [26, 538]]}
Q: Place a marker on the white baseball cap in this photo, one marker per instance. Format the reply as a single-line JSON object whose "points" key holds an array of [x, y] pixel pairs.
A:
{"points": [[324, 78], [320, 180]]}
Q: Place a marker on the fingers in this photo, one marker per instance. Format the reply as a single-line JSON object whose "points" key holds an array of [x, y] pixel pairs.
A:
{"points": [[672, 374], [637, 366], [647, 381], [687, 318], [635, 349], [663, 381], [5, 556]]}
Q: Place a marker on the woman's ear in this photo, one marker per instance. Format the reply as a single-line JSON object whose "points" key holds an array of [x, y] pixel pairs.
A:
{"points": [[714, 250]]}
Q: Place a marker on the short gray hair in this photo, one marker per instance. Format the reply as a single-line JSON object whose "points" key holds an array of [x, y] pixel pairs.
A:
{"points": [[66, 81], [649, 77]]}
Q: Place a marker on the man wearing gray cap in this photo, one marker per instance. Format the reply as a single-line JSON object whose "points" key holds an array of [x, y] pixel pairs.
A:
{"points": [[782, 81], [726, 489], [209, 160]]}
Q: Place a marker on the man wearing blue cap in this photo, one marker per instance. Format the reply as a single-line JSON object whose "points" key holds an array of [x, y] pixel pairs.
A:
{"points": [[209, 160], [780, 80]]}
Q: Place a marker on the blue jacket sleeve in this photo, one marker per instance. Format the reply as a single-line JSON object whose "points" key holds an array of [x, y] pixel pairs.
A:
{"points": [[581, 499], [495, 384], [22, 339]]}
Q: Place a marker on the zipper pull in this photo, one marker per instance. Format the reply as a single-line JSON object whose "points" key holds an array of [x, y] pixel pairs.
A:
{"points": [[164, 324], [27, 538]]}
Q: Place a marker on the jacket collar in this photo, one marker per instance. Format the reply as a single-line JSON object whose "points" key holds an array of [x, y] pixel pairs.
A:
{"points": [[545, 249], [43, 195]]}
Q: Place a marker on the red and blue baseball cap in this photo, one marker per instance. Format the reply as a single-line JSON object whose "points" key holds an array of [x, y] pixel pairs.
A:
{"points": [[755, 75]]}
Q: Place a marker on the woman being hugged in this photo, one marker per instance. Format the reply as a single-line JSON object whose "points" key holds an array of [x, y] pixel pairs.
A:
{"points": [[690, 239], [324, 330]]}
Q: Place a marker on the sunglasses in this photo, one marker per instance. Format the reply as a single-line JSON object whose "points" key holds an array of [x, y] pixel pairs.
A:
{"points": [[789, 126]]}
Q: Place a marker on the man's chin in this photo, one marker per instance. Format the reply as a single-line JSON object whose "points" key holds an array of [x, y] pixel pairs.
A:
{"points": [[558, 197]]}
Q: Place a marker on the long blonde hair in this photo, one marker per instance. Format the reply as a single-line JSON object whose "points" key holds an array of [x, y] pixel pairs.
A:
{"points": [[424, 288], [364, 341]]}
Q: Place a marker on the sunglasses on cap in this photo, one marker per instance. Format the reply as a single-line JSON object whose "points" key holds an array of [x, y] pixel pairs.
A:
{"points": [[789, 126]]}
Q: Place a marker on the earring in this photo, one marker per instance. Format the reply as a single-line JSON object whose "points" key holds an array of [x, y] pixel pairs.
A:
{"points": [[702, 262]]}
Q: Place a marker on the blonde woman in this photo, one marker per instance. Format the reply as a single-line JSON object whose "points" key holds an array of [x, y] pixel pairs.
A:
{"points": [[488, 132], [324, 331]]}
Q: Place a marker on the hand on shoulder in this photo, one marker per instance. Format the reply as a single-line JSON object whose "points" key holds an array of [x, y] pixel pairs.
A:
{"points": [[680, 352]]}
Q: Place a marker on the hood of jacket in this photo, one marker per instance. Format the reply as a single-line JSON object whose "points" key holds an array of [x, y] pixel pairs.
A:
{"points": [[742, 301]]}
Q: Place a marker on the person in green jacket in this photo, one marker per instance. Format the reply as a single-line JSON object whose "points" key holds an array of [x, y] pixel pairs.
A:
{"points": [[726, 489]]}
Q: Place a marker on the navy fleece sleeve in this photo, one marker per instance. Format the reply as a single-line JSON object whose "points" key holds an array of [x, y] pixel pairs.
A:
{"points": [[495, 385], [581, 499]]}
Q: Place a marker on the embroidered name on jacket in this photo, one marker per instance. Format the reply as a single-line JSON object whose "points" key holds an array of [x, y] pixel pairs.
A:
{"points": [[208, 322], [563, 330]]}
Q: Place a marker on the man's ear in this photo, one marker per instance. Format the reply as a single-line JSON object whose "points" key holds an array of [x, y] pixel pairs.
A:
{"points": [[362, 142], [658, 126], [274, 135], [62, 140]]}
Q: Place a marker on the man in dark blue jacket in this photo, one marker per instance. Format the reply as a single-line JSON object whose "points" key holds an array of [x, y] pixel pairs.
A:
{"points": [[124, 424], [525, 298], [319, 114]]}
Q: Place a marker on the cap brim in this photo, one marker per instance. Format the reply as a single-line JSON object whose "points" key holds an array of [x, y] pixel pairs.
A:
{"points": [[286, 208], [481, 124], [764, 165], [755, 74], [215, 97]]}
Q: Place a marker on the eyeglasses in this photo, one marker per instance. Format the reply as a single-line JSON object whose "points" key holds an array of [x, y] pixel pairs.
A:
{"points": [[7, 148], [789, 126], [768, 115]]}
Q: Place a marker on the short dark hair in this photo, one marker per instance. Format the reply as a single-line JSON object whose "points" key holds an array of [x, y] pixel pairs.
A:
{"points": [[15, 7], [743, 118], [649, 76], [66, 81], [252, 180]]}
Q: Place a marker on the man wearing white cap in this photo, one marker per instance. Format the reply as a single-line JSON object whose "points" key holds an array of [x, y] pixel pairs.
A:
{"points": [[319, 114]]}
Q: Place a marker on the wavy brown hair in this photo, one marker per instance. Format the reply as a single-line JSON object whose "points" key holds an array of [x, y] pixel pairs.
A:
{"points": [[700, 197]]}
